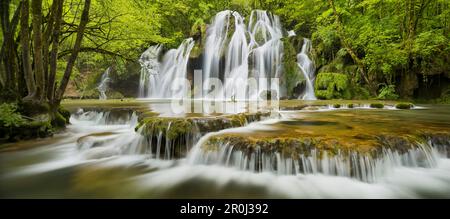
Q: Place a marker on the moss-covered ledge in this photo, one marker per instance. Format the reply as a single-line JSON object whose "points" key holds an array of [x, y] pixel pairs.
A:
{"points": [[173, 137], [293, 147], [174, 127]]}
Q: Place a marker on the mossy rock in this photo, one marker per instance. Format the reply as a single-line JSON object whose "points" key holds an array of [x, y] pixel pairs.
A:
{"points": [[351, 106], [404, 106], [377, 105], [337, 105]]}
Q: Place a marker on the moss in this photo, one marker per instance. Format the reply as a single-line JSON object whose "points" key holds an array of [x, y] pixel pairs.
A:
{"points": [[332, 86], [337, 106], [171, 128], [64, 113], [351, 106], [59, 120], [377, 105], [404, 106]]}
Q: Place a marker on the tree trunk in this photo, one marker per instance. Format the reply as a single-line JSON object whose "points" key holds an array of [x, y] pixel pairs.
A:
{"points": [[54, 52], [81, 27], [25, 41], [47, 39], [9, 52], [37, 45]]}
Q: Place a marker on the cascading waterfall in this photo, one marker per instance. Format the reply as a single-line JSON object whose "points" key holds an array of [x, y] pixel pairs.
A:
{"points": [[360, 166], [306, 66], [234, 52], [103, 86], [157, 77], [253, 51]]}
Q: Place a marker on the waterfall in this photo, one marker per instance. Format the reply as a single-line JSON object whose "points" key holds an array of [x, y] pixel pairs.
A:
{"points": [[307, 68], [149, 61], [103, 86], [253, 50], [157, 77], [364, 167], [235, 51]]}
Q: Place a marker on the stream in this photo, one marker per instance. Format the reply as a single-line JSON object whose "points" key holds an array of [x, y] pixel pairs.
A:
{"points": [[96, 158]]}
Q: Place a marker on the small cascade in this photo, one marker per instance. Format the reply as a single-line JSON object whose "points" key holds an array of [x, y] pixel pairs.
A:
{"points": [[103, 86], [359, 166], [307, 68], [104, 117], [149, 61], [157, 77]]}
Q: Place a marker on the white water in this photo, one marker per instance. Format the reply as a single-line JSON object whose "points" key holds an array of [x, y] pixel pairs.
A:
{"points": [[306, 66], [253, 50], [97, 150], [157, 77], [235, 51], [150, 65], [103, 86]]}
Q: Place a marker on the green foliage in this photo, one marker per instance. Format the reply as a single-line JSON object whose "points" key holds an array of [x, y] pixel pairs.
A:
{"points": [[388, 93], [332, 86], [9, 117]]}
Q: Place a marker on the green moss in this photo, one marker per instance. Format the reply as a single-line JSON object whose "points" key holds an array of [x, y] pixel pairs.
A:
{"points": [[59, 120], [332, 86], [377, 105], [351, 106], [337, 106], [64, 113], [404, 106], [171, 128]]}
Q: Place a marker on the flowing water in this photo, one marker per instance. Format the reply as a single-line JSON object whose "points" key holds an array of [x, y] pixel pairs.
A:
{"points": [[157, 77], [100, 155], [235, 51], [306, 66], [103, 86]]}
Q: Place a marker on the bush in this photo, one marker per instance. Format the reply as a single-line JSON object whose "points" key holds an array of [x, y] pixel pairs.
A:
{"points": [[387, 93], [332, 86], [9, 117]]}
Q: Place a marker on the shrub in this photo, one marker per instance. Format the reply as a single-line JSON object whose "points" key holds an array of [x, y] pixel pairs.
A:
{"points": [[332, 86], [387, 93], [9, 116]]}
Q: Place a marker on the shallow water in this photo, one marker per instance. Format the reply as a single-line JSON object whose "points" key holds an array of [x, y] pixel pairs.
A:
{"points": [[91, 160]]}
